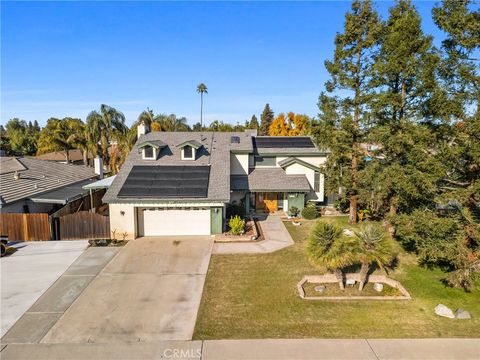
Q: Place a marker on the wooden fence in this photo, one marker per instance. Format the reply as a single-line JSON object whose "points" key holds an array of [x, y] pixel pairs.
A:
{"points": [[84, 225], [25, 227]]}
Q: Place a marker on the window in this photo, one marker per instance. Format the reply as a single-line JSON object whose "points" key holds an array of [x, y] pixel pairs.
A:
{"points": [[188, 153], [316, 186], [148, 152], [265, 161]]}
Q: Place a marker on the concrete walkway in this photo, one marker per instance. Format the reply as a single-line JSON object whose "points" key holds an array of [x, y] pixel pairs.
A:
{"points": [[268, 349], [45, 312], [30, 271], [276, 238]]}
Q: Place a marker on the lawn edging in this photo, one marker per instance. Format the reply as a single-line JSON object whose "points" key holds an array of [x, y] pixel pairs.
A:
{"points": [[331, 279]]}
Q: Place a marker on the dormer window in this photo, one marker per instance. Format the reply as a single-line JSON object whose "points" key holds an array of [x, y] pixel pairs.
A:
{"points": [[151, 149], [149, 153], [189, 149], [188, 153]]}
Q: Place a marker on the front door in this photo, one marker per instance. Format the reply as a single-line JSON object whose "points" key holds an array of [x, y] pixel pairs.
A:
{"points": [[266, 201]]}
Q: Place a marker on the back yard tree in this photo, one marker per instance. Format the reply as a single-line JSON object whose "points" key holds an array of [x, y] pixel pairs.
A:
{"points": [[253, 124], [350, 74], [265, 120]]}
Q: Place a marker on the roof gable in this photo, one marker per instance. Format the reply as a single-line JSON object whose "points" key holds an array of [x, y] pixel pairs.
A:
{"points": [[293, 160]]}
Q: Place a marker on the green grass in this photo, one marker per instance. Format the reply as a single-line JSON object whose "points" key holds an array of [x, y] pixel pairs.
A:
{"points": [[255, 296]]}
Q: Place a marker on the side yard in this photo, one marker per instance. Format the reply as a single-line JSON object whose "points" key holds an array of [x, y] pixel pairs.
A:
{"points": [[255, 296]]}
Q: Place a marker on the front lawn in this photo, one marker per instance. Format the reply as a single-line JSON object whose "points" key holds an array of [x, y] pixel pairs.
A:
{"points": [[255, 296]]}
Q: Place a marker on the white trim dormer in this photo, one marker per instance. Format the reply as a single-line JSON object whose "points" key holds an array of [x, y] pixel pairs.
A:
{"points": [[189, 153], [149, 153], [188, 149], [151, 149]]}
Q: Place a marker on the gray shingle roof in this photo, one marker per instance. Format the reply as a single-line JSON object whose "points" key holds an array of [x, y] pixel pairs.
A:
{"points": [[272, 179], [39, 176], [215, 151]]}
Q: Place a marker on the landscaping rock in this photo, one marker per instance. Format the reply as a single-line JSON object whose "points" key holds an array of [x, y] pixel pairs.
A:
{"points": [[442, 310], [378, 287], [462, 314], [350, 282], [320, 288], [348, 232]]}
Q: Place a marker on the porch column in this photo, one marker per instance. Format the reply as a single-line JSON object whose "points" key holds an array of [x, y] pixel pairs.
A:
{"points": [[247, 203]]}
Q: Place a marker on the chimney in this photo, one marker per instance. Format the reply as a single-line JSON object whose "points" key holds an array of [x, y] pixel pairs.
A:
{"points": [[141, 129], [98, 166]]}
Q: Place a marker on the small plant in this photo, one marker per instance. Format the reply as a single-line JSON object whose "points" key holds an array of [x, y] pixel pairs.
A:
{"points": [[293, 211], [364, 215], [342, 204], [124, 236], [114, 236], [237, 225], [310, 212]]}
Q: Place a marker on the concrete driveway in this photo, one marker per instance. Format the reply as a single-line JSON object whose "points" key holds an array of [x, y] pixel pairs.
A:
{"points": [[150, 291], [30, 271]]}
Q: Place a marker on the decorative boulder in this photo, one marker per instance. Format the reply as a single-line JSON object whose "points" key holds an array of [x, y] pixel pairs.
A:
{"points": [[350, 282], [378, 287], [348, 232], [462, 314], [320, 288], [442, 310]]}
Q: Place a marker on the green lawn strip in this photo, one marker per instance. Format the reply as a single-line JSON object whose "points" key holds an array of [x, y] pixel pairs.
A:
{"points": [[255, 296]]}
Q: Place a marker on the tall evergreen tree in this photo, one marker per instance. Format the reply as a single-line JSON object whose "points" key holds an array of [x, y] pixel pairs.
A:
{"points": [[405, 76], [253, 124], [265, 120], [351, 71]]}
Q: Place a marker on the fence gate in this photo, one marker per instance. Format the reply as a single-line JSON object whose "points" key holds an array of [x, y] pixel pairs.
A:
{"points": [[25, 227], [84, 225]]}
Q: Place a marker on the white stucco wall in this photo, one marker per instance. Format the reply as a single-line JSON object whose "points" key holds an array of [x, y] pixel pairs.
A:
{"points": [[123, 224], [310, 175], [238, 164]]}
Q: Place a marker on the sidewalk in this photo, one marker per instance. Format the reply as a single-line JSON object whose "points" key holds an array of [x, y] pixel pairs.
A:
{"points": [[268, 349], [276, 238]]}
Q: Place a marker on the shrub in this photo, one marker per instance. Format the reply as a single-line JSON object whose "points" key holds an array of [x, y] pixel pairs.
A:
{"points": [[235, 209], [309, 212], [293, 211], [342, 204], [237, 225]]}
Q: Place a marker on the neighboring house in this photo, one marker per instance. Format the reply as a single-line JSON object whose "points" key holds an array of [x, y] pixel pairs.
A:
{"points": [[76, 157], [30, 185], [179, 183]]}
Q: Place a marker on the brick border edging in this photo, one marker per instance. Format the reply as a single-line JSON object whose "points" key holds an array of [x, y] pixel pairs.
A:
{"points": [[330, 279]]}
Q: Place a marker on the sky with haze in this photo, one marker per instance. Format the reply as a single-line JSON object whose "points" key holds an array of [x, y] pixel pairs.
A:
{"points": [[63, 59]]}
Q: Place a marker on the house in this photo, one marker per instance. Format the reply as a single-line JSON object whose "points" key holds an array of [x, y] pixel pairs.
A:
{"points": [[180, 183], [76, 156], [30, 185]]}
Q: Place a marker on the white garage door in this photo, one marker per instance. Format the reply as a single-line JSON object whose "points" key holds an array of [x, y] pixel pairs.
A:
{"points": [[160, 222]]}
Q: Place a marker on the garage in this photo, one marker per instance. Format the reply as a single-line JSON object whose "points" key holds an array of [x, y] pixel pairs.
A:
{"points": [[173, 221]]}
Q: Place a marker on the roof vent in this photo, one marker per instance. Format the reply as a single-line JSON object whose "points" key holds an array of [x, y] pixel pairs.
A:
{"points": [[234, 139], [16, 175]]}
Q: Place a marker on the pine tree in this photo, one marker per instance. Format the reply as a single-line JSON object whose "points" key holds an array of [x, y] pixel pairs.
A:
{"points": [[351, 72], [266, 120], [253, 124], [405, 77]]}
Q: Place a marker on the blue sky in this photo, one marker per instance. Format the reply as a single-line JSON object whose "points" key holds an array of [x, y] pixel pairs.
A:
{"points": [[66, 58]]}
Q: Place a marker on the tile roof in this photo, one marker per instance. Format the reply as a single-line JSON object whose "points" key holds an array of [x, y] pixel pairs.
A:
{"points": [[39, 176], [215, 151], [271, 179]]}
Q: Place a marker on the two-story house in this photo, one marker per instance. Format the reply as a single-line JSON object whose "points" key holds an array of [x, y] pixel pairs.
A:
{"points": [[179, 183]]}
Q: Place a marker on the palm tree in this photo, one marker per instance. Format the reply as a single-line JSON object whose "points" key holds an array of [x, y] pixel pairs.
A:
{"points": [[105, 127], [326, 248], [172, 123], [201, 89], [59, 135], [372, 246]]}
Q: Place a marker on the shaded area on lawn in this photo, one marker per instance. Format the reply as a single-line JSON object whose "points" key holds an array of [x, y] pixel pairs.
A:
{"points": [[255, 296]]}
